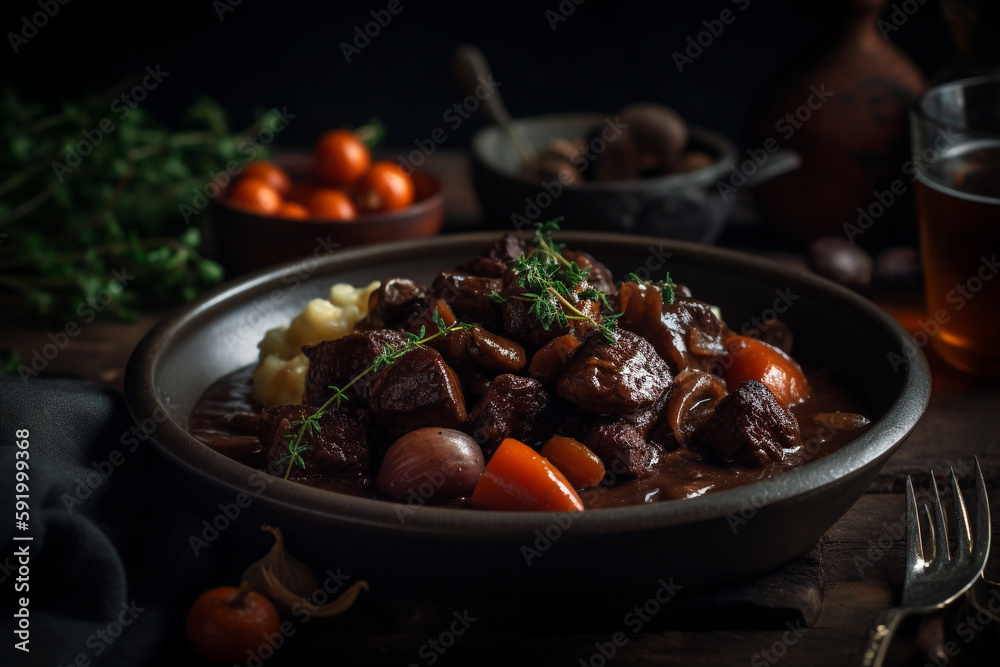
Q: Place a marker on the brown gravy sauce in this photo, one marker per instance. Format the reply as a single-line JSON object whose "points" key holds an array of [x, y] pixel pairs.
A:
{"points": [[678, 474]]}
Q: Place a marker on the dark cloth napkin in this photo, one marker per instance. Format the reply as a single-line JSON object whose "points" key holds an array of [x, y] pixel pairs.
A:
{"points": [[111, 572]]}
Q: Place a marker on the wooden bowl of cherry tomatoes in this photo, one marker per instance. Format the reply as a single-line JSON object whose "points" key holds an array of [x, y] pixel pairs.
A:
{"points": [[308, 204]]}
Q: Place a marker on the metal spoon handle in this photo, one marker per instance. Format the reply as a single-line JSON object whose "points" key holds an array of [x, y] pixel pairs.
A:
{"points": [[474, 75]]}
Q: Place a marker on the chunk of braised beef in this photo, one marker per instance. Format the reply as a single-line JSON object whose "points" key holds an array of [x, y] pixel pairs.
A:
{"points": [[468, 295], [337, 362], [599, 276], [749, 427], [570, 421], [340, 446], [523, 325], [513, 407], [508, 247], [622, 447], [548, 362], [394, 304], [620, 379], [486, 267], [418, 389], [685, 333]]}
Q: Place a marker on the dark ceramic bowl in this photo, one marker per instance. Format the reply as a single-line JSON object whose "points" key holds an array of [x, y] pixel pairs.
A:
{"points": [[703, 541], [686, 206], [246, 242]]}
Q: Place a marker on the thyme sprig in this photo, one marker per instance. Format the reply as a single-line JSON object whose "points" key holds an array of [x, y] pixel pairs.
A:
{"points": [[550, 281], [665, 286], [302, 429]]}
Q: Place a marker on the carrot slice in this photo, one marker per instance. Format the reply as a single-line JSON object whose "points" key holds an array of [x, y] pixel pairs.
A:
{"points": [[574, 459], [751, 359], [517, 478]]}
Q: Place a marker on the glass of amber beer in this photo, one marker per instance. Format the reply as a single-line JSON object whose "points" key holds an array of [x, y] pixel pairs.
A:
{"points": [[956, 158]]}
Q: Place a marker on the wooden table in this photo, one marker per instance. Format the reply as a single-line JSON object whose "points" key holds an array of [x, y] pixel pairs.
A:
{"points": [[860, 558]]}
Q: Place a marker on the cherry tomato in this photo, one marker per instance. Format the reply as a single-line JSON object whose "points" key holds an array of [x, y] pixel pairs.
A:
{"points": [[223, 625], [270, 173], [751, 359], [292, 210], [255, 195], [340, 158], [330, 204], [385, 187], [301, 191]]}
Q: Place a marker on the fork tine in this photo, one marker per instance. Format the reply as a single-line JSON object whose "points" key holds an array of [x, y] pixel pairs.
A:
{"points": [[981, 524], [914, 543], [941, 557], [964, 547]]}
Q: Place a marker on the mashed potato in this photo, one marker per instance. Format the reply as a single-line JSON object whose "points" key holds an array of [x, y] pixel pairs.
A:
{"points": [[281, 371]]}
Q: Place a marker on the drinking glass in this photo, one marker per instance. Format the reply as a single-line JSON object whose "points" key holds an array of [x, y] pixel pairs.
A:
{"points": [[956, 162]]}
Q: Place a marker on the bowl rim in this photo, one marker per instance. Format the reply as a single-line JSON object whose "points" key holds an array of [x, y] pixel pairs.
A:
{"points": [[670, 182], [419, 207], [882, 438]]}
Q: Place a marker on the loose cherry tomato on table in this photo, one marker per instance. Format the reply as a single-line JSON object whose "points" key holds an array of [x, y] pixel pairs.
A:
{"points": [[255, 195], [226, 622], [385, 187], [330, 204], [340, 158], [270, 173]]}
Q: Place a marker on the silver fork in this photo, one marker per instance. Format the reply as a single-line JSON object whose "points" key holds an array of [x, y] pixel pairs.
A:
{"points": [[931, 583]]}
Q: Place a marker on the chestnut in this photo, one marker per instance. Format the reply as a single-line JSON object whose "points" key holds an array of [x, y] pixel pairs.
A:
{"points": [[433, 463]]}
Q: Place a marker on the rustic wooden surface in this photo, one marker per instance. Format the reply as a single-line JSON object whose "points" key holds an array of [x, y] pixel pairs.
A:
{"points": [[825, 602]]}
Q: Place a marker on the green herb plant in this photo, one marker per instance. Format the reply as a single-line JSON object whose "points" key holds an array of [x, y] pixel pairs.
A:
{"points": [[88, 195], [550, 281]]}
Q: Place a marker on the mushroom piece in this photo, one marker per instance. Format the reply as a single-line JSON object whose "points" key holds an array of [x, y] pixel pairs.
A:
{"points": [[658, 133]]}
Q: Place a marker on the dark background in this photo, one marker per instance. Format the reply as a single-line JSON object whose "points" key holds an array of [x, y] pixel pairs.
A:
{"points": [[288, 54]]}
